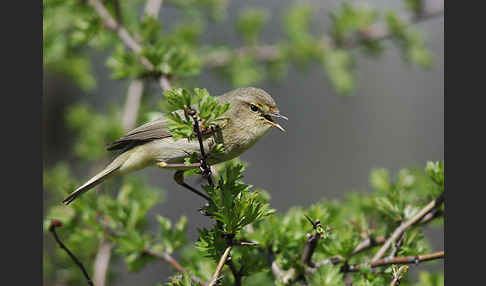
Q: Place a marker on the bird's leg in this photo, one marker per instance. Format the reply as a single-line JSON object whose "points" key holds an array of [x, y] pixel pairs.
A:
{"points": [[179, 178]]}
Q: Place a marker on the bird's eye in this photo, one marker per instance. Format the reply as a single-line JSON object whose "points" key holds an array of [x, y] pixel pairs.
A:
{"points": [[253, 108]]}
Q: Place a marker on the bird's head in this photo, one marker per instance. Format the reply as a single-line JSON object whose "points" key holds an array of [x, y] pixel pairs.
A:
{"points": [[254, 109]]}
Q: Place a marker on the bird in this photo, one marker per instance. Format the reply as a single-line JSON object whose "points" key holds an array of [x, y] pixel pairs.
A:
{"points": [[250, 116]]}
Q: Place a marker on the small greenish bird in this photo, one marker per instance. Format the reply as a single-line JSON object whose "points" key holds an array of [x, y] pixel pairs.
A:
{"points": [[250, 116]]}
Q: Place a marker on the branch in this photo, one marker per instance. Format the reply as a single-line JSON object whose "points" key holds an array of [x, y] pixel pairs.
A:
{"points": [[135, 90], [435, 213], [397, 260], [205, 167], [164, 83], [52, 229], [236, 273], [170, 260], [368, 243], [311, 243], [219, 268], [266, 53], [372, 242], [396, 247], [122, 33], [102, 260], [431, 9], [363, 246], [282, 275], [404, 226], [132, 103], [126, 38]]}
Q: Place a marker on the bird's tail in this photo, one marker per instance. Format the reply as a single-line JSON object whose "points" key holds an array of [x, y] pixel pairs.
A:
{"points": [[109, 171]]}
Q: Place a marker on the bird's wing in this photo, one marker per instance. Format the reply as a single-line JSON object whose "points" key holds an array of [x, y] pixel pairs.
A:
{"points": [[156, 129]]}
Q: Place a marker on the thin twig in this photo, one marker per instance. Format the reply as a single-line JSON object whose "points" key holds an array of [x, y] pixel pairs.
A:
{"points": [[398, 260], [404, 226], [170, 260], [368, 243], [219, 268], [269, 52], [245, 243], [52, 229], [396, 247]]}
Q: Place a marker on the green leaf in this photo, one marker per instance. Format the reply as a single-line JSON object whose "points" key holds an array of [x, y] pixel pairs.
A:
{"points": [[327, 275], [435, 170], [339, 66], [430, 279], [380, 179], [250, 23], [233, 203], [349, 19], [409, 40], [297, 22]]}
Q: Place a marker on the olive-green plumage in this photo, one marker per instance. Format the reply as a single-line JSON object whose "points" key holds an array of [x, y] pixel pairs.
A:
{"points": [[248, 119]]}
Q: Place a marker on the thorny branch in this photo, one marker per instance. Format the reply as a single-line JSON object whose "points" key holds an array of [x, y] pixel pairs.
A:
{"points": [[398, 260], [311, 244], [205, 168], [289, 275], [206, 173], [52, 229]]}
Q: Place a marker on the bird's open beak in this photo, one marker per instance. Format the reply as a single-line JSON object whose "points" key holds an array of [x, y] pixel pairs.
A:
{"points": [[273, 123]]}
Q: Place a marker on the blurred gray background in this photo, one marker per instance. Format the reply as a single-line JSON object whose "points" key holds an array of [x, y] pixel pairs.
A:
{"points": [[394, 120]]}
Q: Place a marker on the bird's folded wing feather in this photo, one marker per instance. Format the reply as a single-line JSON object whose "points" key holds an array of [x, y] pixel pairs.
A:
{"points": [[156, 129], [153, 130]]}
